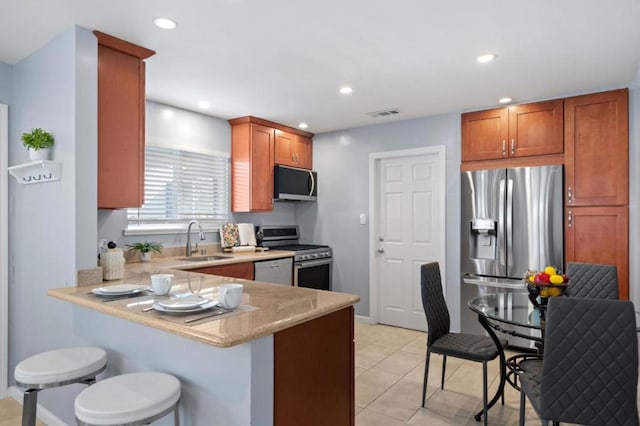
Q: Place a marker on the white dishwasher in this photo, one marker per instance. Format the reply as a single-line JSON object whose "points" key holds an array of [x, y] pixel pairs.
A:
{"points": [[278, 271]]}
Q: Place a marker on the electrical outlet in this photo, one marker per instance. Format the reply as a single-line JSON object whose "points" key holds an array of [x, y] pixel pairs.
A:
{"points": [[363, 218]]}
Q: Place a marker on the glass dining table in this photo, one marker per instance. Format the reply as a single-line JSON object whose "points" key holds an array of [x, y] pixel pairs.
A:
{"points": [[513, 314]]}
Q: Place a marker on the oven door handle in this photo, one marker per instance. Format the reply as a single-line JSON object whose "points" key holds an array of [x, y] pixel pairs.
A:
{"points": [[309, 264]]}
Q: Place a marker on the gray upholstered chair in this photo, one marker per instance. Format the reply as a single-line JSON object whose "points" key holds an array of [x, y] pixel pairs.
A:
{"points": [[440, 341], [590, 369], [593, 281], [586, 280]]}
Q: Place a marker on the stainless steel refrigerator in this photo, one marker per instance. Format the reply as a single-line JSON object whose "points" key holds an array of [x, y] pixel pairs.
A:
{"points": [[512, 221]]}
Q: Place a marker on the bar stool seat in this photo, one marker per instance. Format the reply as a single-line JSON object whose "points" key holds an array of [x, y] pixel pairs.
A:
{"points": [[131, 399], [56, 368]]}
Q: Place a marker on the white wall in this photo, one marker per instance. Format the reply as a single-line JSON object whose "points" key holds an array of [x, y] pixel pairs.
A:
{"points": [[54, 88]]}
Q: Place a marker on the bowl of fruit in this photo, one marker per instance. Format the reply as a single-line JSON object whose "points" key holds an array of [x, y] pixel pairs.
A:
{"points": [[545, 284]]}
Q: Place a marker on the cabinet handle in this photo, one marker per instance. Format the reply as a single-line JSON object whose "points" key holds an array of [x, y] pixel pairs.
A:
{"points": [[513, 146], [570, 219], [504, 147], [569, 195]]}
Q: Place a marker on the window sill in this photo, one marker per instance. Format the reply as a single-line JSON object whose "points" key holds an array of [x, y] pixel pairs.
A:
{"points": [[165, 230]]}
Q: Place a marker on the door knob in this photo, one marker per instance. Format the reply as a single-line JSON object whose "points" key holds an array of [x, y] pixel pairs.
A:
{"points": [[380, 251]]}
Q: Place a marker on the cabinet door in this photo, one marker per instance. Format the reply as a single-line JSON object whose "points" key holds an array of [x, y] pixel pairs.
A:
{"points": [[303, 152], [597, 149], [251, 167], [284, 148], [120, 140], [536, 129], [261, 168], [234, 270], [599, 235], [484, 135], [313, 369]]}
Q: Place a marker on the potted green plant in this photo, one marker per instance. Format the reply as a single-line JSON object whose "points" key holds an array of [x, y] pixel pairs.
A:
{"points": [[145, 248], [39, 143]]}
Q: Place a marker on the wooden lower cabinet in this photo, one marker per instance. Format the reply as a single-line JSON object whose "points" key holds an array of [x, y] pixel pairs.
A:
{"points": [[599, 235], [235, 270], [314, 372]]}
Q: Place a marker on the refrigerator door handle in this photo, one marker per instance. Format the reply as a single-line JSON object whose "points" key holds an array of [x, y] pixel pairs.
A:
{"points": [[502, 255], [509, 223]]}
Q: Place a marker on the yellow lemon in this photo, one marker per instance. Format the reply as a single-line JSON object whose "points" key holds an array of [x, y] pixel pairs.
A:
{"points": [[554, 291], [550, 270], [544, 292], [556, 279], [531, 278]]}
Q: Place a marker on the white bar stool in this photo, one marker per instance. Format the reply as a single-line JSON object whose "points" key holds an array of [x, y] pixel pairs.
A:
{"points": [[56, 368], [129, 399]]}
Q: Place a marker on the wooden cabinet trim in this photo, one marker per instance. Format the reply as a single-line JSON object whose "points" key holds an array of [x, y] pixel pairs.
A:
{"points": [[252, 119], [123, 45]]}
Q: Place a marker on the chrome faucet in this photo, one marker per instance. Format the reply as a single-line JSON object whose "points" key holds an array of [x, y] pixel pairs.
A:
{"points": [[189, 251]]}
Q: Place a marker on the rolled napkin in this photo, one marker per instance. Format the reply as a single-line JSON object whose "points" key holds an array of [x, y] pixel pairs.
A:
{"points": [[243, 248]]}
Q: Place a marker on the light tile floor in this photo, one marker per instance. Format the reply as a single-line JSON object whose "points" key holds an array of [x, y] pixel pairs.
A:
{"points": [[389, 369], [11, 413]]}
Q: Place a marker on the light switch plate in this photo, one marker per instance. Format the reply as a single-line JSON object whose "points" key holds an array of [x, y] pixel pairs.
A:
{"points": [[363, 218]]}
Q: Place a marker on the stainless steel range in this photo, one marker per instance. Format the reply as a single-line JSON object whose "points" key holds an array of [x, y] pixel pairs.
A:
{"points": [[312, 264]]}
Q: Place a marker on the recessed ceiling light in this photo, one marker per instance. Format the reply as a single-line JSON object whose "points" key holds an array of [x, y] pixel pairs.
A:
{"points": [[504, 100], [485, 57], [346, 90], [303, 125], [204, 104], [165, 23]]}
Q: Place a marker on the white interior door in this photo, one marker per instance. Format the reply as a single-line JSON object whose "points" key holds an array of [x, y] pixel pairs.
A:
{"points": [[409, 231], [4, 248]]}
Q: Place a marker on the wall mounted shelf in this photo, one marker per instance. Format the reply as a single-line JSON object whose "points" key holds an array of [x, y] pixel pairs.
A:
{"points": [[37, 171]]}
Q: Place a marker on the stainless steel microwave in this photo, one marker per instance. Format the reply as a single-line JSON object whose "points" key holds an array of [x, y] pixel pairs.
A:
{"points": [[293, 184]]}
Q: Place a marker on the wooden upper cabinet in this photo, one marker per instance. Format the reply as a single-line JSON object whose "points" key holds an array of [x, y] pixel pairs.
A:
{"points": [[536, 129], [121, 115], [252, 150], [256, 146], [293, 150], [517, 131], [304, 152], [597, 149], [484, 134]]}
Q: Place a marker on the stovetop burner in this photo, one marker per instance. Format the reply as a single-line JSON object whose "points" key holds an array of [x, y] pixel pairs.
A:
{"points": [[286, 238], [299, 247]]}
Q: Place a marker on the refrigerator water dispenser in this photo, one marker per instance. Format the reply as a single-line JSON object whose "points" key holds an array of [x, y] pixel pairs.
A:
{"points": [[482, 239]]}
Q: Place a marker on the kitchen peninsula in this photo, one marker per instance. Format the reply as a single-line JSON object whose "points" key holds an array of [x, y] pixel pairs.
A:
{"points": [[284, 358]]}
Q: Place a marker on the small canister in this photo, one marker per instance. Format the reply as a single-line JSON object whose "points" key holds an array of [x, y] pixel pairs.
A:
{"points": [[112, 262]]}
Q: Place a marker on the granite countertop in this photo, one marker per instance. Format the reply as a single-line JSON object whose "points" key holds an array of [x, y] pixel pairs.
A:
{"points": [[266, 308]]}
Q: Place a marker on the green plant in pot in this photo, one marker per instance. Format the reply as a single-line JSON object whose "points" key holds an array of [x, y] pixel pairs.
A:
{"points": [[39, 143], [145, 248]]}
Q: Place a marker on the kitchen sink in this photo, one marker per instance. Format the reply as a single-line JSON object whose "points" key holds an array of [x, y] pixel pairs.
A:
{"points": [[204, 258]]}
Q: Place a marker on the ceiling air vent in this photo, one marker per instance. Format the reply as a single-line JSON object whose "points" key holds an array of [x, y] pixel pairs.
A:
{"points": [[383, 113]]}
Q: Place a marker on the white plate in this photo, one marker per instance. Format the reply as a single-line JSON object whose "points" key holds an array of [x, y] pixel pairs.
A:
{"points": [[181, 303], [119, 289], [203, 307]]}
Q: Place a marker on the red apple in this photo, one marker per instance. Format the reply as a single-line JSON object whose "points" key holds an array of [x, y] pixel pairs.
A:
{"points": [[565, 278], [541, 278]]}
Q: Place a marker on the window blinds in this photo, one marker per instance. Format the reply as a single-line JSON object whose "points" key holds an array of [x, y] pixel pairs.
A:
{"points": [[183, 185]]}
